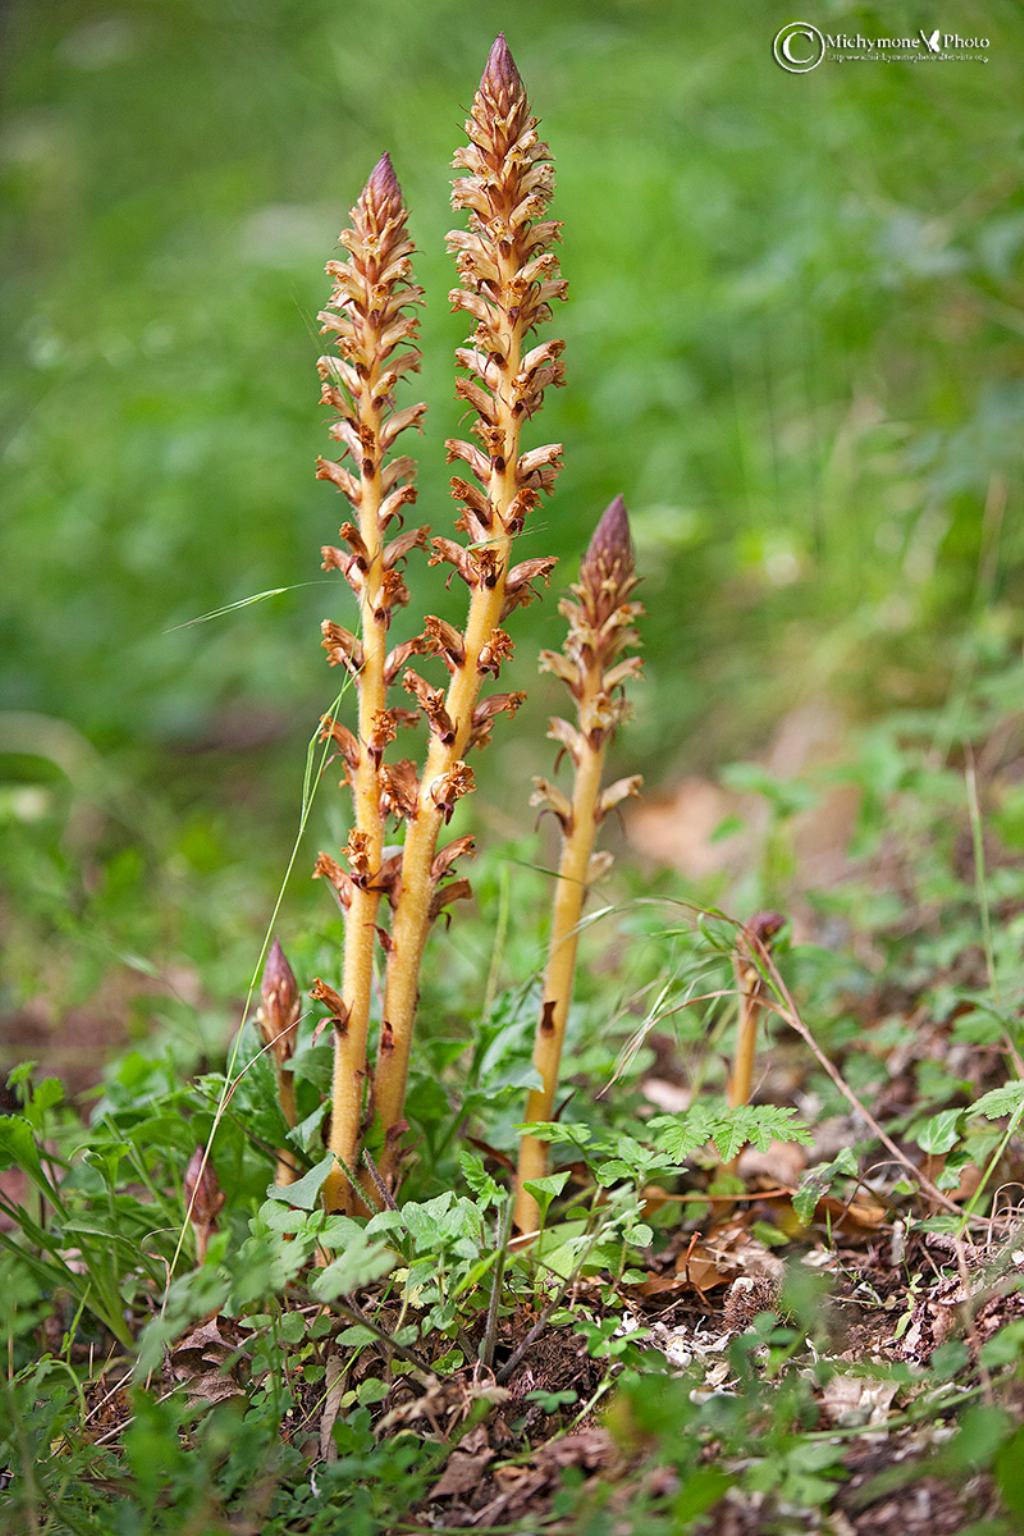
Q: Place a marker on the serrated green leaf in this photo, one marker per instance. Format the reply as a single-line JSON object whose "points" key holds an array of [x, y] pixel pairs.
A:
{"points": [[362, 1262], [479, 1180], [18, 1146], [1006, 1100]]}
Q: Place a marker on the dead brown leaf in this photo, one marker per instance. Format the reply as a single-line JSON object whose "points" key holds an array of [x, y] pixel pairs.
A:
{"points": [[783, 1163], [197, 1362], [334, 1384], [862, 1215], [853, 1400], [715, 1259], [466, 1466]]}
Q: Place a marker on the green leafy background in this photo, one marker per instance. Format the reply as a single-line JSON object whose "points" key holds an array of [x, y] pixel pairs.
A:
{"points": [[794, 343]]}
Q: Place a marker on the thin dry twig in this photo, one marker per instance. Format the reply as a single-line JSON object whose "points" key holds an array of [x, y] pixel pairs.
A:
{"points": [[790, 1013]]}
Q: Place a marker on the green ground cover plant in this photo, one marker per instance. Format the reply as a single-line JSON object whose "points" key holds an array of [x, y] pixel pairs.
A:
{"points": [[753, 1313]]}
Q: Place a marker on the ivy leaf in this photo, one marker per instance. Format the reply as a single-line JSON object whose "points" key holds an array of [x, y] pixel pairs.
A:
{"points": [[940, 1133], [428, 1222], [817, 1181], [385, 1221], [305, 1192], [307, 1136], [358, 1334], [545, 1189], [615, 1171]]}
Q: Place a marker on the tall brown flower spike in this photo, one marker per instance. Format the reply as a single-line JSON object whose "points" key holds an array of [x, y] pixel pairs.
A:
{"points": [[508, 277], [368, 316], [592, 666], [278, 1020]]}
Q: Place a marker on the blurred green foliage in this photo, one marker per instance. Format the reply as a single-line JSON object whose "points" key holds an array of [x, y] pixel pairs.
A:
{"points": [[794, 334], [794, 341]]}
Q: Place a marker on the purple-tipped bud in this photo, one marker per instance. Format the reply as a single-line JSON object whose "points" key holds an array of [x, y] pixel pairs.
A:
{"points": [[500, 76], [757, 936], [611, 549], [279, 992], [203, 1195], [595, 641], [764, 926], [382, 193]]}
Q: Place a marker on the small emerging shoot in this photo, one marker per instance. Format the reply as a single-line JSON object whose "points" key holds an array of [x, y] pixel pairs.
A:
{"points": [[759, 934], [203, 1199], [278, 1020]]}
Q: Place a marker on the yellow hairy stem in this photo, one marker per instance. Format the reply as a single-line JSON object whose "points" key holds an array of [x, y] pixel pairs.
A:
{"points": [[570, 896], [350, 1033], [412, 917], [287, 1170], [741, 1080], [600, 628], [758, 935]]}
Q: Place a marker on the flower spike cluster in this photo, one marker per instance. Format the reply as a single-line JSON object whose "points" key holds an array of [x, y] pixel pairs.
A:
{"points": [[601, 617], [508, 280], [368, 315]]}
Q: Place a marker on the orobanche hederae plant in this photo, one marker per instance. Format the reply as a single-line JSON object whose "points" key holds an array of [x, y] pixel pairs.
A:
{"points": [[399, 868]]}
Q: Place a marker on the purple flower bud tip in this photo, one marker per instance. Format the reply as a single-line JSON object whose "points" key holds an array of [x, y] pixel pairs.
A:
{"points": [[765, 925], [203, 1195], [382, 187], [279, 982], [500, 76], [611, 544]]}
